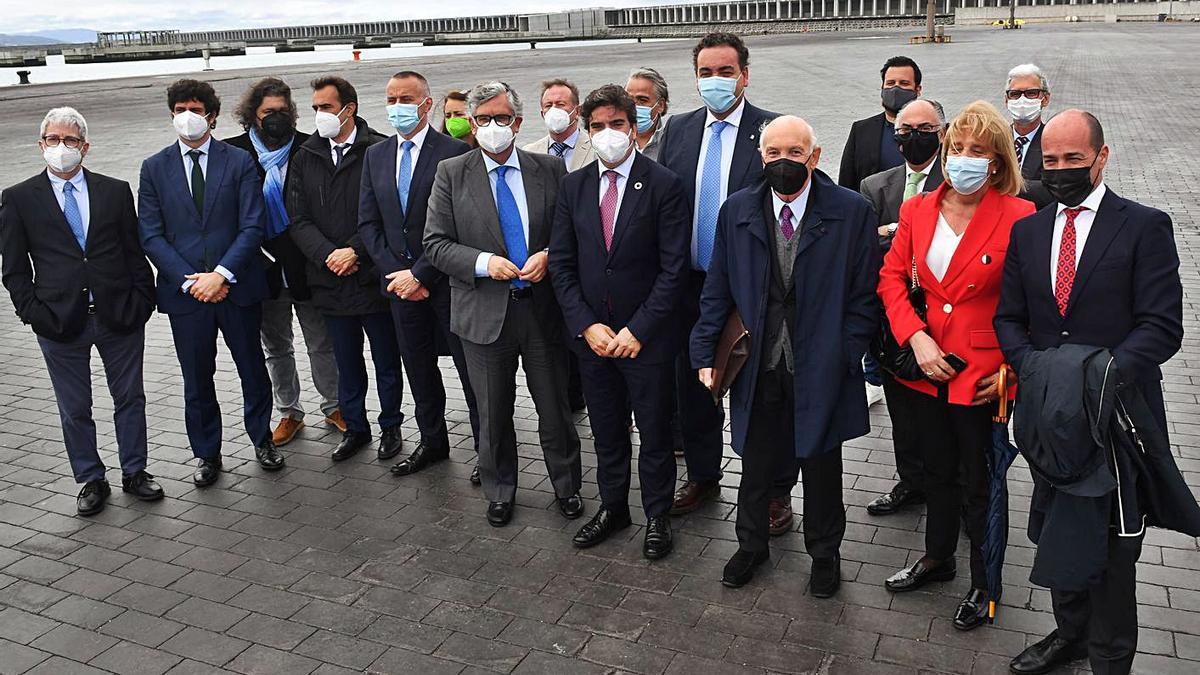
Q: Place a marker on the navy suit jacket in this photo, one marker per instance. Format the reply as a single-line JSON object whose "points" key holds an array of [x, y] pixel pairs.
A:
{"points": [[837, 311], [179, 240], [392, 237], [636, 283]]}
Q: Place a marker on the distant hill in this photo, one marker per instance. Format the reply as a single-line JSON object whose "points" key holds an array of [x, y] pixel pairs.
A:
{"points": [[23, 40], [48, 37]]}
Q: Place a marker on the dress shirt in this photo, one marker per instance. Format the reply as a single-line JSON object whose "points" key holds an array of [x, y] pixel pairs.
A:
{"points": [[184, 149], [81, 196], [728, 140], [570, 142], [348, 142], [1028, 141], [908, 171], [418, 140], [1083, 227], [622, 170], [516, 184], [941, 249], [798, 205]]}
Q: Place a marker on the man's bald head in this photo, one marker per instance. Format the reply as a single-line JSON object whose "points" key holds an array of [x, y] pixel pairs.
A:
{"points": [[790, 137], [1073, 138], [1073, 122]]}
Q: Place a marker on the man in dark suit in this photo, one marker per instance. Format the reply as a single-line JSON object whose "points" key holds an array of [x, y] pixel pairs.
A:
{"points": [[618, 256], [714, 151], [796, 256], [397, 178], [268, 114], [76, 274], [1092, 269], [1026, 95], [200, 214], [871, 146], [920, 128], [488, 228]]}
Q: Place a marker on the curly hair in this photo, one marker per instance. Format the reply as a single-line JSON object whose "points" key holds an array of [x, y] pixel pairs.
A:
{"points": [[182, 91], [247, 108]]}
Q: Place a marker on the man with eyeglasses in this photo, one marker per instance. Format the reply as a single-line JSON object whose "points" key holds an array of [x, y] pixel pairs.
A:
{"points": [[76, 274], [488, 229], [1027, 94]]}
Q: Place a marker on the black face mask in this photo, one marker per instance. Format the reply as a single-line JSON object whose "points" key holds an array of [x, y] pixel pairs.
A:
{"points": [[786, 176], [894, 98], [277, 128], [1069, 186], [918, 147]]}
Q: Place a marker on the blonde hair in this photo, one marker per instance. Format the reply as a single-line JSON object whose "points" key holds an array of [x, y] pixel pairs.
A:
{"points": [[982, 121]]}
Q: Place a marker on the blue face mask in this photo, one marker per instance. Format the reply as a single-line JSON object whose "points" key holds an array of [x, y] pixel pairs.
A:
{"points": [[967, 174], [718, 93], [403, 117], [645, 120]]}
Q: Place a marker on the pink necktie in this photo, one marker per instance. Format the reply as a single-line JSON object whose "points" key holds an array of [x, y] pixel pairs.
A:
{"points": [[608, 208]]}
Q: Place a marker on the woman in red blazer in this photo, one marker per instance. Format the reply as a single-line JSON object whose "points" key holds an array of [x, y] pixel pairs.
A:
{"points": [[957, 237]]}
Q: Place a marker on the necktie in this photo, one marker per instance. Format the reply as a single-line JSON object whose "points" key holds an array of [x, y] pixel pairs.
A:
{"points": [[1064, 275], [340, 150], [1019, 143], [197, 180], [558, 149], [74, 217], [710, 197], [510, 224], [405, 180], [910, 185], [785, 222], [608, 209]]}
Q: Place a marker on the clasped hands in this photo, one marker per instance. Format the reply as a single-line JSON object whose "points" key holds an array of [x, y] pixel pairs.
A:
{"points": [[503, 269], [208, 286], [342, 262], [609, 345]]}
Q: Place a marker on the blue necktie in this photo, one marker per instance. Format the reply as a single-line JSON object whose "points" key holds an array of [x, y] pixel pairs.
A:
{"points": [[710, 198], [74, 218], [404, 183], [510, 224]]}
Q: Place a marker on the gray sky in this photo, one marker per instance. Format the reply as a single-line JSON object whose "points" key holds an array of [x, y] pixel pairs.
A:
{"points": [[24, 16]]}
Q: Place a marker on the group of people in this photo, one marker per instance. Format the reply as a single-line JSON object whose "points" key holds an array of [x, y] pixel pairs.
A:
{"points": [[607, 258]]}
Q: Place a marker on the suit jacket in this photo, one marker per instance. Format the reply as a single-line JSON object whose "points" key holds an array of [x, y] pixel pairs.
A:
{"points": [[582, 155], [463, 222], [1031, 171], [180, 240], [885, 191], [392, 237], [860, 157], [48, 276], [288, 259], [837, 312], [636, 283], [961, 305]]}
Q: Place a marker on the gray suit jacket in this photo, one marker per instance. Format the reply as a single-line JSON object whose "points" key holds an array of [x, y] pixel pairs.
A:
{"points": [[462, 222], [582, 155], [885, 191]]}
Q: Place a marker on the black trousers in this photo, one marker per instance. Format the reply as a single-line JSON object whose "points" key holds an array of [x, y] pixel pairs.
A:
{"points": [[770, 452], [905, 441], [701, 421], [1105, 615], [420, 328], [346, 332], [612, 388], [954, 441]]}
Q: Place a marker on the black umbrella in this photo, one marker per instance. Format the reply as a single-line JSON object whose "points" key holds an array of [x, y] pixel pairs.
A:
{"points": [[1000, 457]]}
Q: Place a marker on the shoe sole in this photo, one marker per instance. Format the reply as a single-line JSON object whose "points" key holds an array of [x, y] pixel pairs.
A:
{"points": [[941, 578], [824, 594], [91, 512], [729, 583], [144, 499], [279, 443], [335, 425], [658, 556], [782, 528], [274, 467], [704, 498]]}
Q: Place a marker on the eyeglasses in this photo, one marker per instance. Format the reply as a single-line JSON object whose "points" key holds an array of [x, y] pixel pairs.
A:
{"points": [[1014, 94], [905, 134], [53, 140], [502, 120]]}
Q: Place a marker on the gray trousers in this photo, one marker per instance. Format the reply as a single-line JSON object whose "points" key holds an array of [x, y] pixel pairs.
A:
{"points": [[70, 369], [277, 341], [493, 372]]}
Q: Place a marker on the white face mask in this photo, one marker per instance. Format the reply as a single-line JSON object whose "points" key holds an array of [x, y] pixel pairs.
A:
{"points": [[61, 158], [1025, 109], [189, 125], [611, 145], [494, 138], [557, 120], [328, 124]]}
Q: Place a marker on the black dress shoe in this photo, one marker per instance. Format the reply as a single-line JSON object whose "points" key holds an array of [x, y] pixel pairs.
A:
{"points": [[972, 611], [269, 457], [659, 539], [826, 577], [390, 443], [571, 507], [499, 513], [351, 443], [900, 496], [207, 471], [92, 497], [475, 479], [912, 578], [1046, 655], [600, 527], [143, 486], [420, 458], [740, 568]]}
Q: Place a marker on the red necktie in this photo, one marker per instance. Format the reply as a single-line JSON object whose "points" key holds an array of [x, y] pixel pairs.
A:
{"points": [[1064, 275], [608, 208]]}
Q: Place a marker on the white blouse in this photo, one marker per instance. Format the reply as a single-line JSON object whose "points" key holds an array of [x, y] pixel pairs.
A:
{"points": [[942, 248]]}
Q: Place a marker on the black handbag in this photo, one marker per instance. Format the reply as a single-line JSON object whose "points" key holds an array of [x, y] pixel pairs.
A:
{"points": [[899, 361]]}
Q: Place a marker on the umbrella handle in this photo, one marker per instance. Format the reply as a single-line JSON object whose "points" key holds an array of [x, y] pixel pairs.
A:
{"points": [[1001, 417]]}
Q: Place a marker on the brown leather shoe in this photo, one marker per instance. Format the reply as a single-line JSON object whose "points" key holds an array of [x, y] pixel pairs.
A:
{"points": [[335, 420], [286, 431], [780, 514], [693, 494]]}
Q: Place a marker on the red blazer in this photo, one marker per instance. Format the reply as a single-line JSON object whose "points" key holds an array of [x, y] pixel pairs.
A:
{"points": [[962, 304]]}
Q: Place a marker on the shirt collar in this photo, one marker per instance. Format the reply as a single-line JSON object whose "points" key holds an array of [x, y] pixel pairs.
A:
{"points": [[798, 205], [1029, 136], [418, 140], [348, 142], [184, 149], [623, 168], [908, 170], [733, 119], [491, 164], [571, 140], [77, 180], [1091, 203]]}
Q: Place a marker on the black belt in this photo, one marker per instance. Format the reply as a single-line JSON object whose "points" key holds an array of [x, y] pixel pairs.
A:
{"points": [[520, 293]]}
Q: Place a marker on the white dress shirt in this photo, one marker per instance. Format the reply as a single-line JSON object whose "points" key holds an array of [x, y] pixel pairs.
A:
{"points": [[622, 170], [728, 140], [348, 142], [942, 248], [513, 179], [798, 205], [81, 196], [1028, 141], [414, 152], [1083, 227], [187, 172]]}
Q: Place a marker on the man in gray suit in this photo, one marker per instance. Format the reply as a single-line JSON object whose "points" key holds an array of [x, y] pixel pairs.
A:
{"points": [[488, 229]]}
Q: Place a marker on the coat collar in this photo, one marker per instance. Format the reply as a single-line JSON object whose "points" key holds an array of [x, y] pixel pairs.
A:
{"points": [[977, 235], [822, 212], [1109, 220]]}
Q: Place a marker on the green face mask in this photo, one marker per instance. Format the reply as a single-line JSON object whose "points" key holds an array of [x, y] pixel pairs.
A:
{"points": [[458, 127]]}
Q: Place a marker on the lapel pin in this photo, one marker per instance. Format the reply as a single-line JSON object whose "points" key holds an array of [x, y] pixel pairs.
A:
{"points": [[986, 260], [637, 185]]}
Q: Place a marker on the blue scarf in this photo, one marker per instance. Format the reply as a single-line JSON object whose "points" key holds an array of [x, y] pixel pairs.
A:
{"points": [[271, 161]]}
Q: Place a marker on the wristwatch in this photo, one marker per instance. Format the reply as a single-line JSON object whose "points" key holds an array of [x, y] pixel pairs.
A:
{"points": [[892, 229]]}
